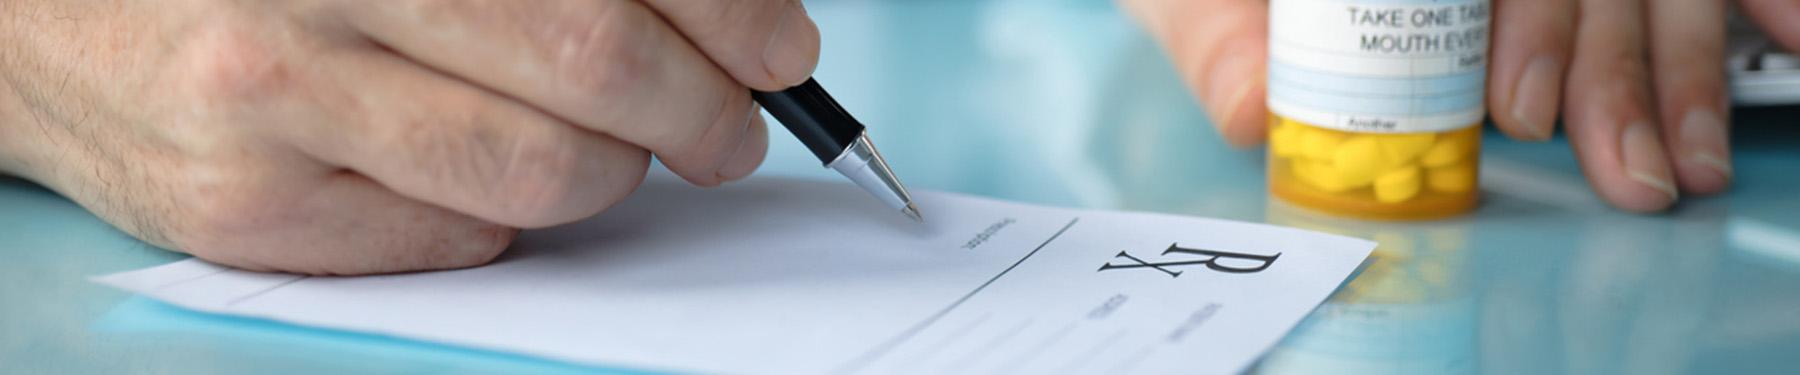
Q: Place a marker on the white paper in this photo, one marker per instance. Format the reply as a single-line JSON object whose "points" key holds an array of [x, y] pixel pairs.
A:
{"points": [[777, 276]]}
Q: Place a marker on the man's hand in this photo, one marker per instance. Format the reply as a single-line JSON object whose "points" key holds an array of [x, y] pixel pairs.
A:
{"points": [[353, 137], [1640, 84]]}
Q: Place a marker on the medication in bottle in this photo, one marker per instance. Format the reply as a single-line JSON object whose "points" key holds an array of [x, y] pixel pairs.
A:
{"points": [[1376, 105]]}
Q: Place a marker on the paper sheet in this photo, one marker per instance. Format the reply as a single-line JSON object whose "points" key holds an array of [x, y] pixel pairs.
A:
{"points": [[778, 276]]}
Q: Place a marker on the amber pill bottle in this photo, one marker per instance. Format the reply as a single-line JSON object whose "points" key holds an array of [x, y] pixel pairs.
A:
{"points": [[1376, 105]]}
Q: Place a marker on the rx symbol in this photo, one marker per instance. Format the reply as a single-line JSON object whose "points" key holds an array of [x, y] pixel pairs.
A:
{"points": [[1211, 261]]}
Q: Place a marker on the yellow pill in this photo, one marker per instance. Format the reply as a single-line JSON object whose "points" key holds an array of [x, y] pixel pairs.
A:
{"points": [[1307, 171], [1319, 144], [1322, 176], [1456, 178], [1301, 169], [1446, 152], [1348, 180], [1398, 185], [1404, 147], [1359, 157], [1284, 140]]}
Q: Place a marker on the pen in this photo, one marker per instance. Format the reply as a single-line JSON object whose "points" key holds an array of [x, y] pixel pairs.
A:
{"points": [[838, 140]]}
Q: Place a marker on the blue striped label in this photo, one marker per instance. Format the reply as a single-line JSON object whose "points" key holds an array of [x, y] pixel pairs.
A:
{"points": [[1396, 66]]}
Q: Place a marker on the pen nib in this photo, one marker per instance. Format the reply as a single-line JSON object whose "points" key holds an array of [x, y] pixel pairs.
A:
{"points": [[912, 212]]}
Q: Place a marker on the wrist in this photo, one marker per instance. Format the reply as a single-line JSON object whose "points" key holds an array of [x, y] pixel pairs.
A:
{"points": [[36, 54], [24, 136], [13, 115], [12, 144], [9, 105]]}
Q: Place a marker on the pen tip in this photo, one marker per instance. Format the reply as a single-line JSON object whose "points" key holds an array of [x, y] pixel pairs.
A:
{"points": [[912, 212]]}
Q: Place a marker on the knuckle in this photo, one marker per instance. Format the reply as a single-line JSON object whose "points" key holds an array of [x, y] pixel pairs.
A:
{"points": [[225, 65], [717, 20], [728, 20], [449, 147], [1628, 79], [608, 50], [519, 175], [538, 178], [1610, 74], [1628, 64]]}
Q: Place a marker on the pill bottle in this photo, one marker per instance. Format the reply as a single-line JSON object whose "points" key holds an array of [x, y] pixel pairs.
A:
{"points": [[1375, 106]]}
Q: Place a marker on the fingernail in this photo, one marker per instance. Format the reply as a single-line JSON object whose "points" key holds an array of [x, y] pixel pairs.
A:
{"points": [[1235, 103], [789, 57], [1234, 79], [1534, 101], [1703, 132], [1645, 161]]}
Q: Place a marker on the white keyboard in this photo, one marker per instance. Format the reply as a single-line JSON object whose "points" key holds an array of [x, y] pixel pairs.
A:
{"points": [[1761, 73]]}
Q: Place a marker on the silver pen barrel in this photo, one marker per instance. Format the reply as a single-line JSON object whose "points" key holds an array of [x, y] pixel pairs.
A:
{"points": [[864, 166], [838, 140]]}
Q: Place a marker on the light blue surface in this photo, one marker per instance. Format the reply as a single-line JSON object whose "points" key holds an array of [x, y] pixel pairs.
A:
{"points": [[1066, 103]]}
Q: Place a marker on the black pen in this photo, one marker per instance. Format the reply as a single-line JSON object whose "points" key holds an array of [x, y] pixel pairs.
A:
{"points": [[838, 140]]}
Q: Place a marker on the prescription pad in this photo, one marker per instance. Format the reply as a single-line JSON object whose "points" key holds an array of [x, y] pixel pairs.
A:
{"points": [[785, 276]]}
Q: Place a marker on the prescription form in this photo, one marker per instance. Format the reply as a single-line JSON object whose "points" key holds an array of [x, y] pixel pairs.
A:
{"points": [[779, 276]]}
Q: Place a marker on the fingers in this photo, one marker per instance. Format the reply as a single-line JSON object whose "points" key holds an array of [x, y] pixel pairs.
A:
{"points": [[1777, 19], [1687, 49], [1220, 48], [767, 45], [1611, 116], [610, 66], [1530, 52], [750, 154], [348, 225], [443, 142]]}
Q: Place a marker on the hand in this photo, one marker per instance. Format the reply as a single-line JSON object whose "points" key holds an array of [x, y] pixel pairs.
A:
{"points": [[1640, 84], [353, 137]]}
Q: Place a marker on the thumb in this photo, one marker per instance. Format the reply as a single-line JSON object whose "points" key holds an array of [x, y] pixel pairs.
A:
{"points": [[1220, 48], [1777, 19]]}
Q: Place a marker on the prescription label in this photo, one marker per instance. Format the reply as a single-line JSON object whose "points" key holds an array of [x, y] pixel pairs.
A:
{"points": [[1381, 66]]}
